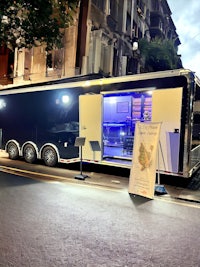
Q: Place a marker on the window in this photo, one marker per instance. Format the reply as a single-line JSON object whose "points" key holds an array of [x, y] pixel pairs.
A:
{"points": [[54, 61], [100, 4]]}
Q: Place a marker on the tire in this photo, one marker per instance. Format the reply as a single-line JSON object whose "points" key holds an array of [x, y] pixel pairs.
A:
{"points": [[194, 181], [29, 154], [49, 156], [13, 151]]}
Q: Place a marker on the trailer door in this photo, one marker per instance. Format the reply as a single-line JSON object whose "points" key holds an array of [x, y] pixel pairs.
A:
{"points": [[166, 108], [90, 119]]}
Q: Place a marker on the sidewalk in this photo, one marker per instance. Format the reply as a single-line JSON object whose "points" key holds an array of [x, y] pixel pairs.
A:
{"points": [[116, 180], [189, 193], [183, 193]]}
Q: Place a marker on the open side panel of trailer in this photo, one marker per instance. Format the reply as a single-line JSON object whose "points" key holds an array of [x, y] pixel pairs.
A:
{"points": [[90, 126], [166, 108], [108, 123]]}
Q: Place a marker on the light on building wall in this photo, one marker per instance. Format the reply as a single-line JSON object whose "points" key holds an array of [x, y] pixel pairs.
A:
{"points": [[134, 43], [135, 46]]}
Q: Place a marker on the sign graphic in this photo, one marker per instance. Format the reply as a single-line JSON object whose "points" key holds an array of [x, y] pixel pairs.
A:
{"points": [[145, 148]]}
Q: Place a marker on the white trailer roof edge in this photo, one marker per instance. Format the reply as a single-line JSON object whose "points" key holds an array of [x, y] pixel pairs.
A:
{"points": [[101, 81]]}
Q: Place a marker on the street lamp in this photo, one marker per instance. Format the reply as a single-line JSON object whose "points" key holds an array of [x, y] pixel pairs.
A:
{"points": [[135, 45]]}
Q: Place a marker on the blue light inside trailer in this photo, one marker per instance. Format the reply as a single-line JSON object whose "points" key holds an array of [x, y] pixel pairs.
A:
{"points": [[120, 114]]}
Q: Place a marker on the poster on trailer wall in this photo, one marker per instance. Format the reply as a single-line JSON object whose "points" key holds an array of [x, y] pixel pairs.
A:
{"points": [[143, 171]]}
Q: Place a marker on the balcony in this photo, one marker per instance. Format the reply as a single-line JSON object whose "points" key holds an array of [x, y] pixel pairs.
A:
{"points": [[111, 22], [157, 24]]}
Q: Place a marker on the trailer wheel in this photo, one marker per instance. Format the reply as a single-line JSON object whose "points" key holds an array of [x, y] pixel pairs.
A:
{"points": [[29, 154], [13, 151], [49, 156]]}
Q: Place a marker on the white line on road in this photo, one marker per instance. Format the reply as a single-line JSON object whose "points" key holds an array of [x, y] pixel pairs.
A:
{"points": [[90, 184]]}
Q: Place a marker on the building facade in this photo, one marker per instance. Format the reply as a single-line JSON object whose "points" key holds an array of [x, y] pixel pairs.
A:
{"points": [[102, 39]]}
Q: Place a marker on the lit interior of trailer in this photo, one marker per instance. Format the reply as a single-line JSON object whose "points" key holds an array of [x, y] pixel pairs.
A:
{"points": [[120, 114]]}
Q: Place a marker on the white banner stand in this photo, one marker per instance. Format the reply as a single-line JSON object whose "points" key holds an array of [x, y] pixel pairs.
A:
{"points": [[160, 189], [143, 171]]}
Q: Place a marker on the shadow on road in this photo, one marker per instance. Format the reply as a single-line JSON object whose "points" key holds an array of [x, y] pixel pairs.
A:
{"points": [[138, 200], [88, 167], [7, 180]]}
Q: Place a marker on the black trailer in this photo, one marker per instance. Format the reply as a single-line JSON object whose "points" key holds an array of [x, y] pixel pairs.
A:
{"points": [[42, 121]]}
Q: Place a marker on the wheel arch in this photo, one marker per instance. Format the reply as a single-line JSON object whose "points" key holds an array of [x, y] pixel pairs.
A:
{"points": [[32, 144], [16, 143], [29, 152], [51, 145]]}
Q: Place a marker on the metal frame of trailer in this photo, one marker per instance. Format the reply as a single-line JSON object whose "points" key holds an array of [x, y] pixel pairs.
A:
{"points": [[42, 121]]}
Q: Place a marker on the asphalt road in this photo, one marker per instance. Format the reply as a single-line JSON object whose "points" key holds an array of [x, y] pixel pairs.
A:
{"points": [[67, 173], [71, 223], [98, 175]]}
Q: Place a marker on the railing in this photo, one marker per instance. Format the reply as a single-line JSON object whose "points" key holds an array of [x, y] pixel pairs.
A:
{"points": [[195, 156]]}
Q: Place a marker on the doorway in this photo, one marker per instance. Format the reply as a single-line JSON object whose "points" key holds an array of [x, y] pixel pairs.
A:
{"points": [[120, 114]]}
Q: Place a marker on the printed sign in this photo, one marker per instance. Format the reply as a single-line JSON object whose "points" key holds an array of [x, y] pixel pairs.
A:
{"points": [[145, 148]]}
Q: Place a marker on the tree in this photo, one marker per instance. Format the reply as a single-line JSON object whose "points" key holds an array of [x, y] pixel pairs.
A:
{"points": [[27, 23], [159, 55]]}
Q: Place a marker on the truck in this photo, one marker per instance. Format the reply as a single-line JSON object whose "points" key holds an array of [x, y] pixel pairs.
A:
{"points": [[44, 121]]}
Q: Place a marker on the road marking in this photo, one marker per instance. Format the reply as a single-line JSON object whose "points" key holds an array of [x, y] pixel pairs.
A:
{"points": [[101, 186], [178, 201], [34, 173], [59, 179]]}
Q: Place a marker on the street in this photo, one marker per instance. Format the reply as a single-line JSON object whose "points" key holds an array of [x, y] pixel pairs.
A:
{"points": [[99, 134], [98, 175], [53, 224]]}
